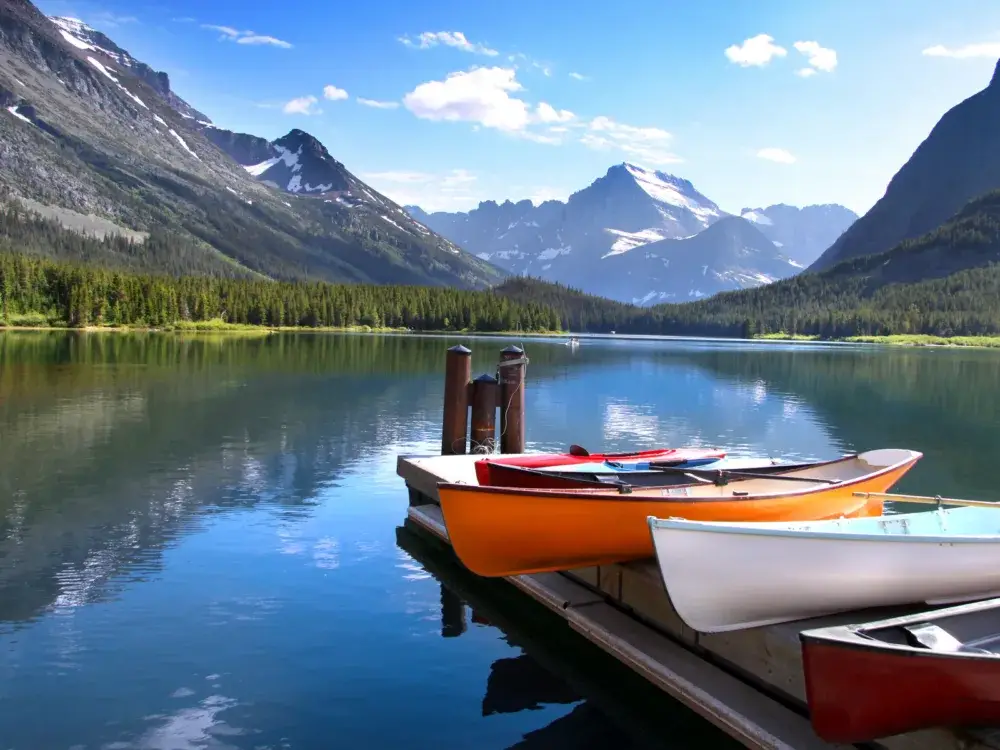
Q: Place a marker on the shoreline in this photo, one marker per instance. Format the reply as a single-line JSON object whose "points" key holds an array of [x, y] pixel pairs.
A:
{"points": [[207, 328]]}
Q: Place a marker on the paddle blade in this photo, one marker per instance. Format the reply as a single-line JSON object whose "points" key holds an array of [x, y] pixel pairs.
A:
{"points": [[578, 450]]}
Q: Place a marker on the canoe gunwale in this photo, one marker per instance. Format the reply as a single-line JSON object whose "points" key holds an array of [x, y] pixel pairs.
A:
{"points": [[739, 527], [622, 478], [603, 495], [852, 636]]}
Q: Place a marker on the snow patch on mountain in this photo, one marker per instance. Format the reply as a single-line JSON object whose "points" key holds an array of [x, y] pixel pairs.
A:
{"points": [[290, 159], [629, 240], [184, 144], [78, 43], [97, 64], [554, 252], [386, 218], [757, 218], [258, 169], [18, 115]]}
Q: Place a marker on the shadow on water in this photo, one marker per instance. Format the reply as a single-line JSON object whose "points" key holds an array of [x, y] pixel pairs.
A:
{"points": [[612, 705]]}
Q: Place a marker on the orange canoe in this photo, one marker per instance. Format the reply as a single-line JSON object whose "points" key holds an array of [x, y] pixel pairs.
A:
{"points": [[502, 531]]}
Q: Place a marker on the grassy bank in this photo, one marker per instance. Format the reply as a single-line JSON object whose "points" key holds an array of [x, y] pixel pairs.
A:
{"points": [[39, 322], [902, 339]]}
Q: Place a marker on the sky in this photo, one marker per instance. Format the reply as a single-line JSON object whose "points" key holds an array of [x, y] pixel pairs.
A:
{"points": [[449, 103]]}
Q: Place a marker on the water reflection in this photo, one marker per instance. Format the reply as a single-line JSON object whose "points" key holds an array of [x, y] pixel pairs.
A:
{"points": [[555, 667], [222, 512]]}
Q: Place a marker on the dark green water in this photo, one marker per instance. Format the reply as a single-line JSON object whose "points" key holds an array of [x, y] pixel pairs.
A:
{"points": [[201, 542]]}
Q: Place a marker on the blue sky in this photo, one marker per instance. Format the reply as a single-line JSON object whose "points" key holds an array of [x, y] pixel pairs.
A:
{"points": [[537, 99]]}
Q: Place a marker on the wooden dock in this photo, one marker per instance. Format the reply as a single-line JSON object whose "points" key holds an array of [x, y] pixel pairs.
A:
{"points": [[748, 683]]}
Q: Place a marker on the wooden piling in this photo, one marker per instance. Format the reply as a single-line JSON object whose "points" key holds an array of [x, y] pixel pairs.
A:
{"points": [[453, 622], [511, 400], [484, 414], [455, 423]]}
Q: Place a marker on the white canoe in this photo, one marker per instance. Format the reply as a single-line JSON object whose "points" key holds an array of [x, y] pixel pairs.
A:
{"points": [[728, 576]]}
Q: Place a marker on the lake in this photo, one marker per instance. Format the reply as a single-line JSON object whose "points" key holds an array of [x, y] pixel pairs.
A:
{"points": [[202, 541]]}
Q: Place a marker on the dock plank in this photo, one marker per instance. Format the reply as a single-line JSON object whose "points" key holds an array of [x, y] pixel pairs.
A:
{"points": [[730, 704]]}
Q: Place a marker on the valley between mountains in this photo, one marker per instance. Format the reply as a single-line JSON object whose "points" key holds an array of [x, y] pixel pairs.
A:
{"points": [[104, 165]]}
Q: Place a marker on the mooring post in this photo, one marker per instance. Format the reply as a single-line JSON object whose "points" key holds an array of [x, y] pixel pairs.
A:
{"points": [[453, 622], [483, 435], [512, 366], [455, 423]]}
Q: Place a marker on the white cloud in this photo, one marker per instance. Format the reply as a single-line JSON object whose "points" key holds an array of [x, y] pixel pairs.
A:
{"points": [[454, 39], [263, 39], [303, 105], [333, 93], [230, 34], [805, 72], [820, 58], [376, 103], [645, 144], [983, 49], [578, 76], [545, 68], [779, 155], [547, 113], [480, 95], [757, 50], [484, 97], [454, 190]]}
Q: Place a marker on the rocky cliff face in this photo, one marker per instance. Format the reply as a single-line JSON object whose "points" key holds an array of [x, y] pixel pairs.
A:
{"points": [[958, 161]]}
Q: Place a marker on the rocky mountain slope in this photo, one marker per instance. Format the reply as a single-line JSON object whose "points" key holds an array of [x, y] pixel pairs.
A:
{"points": [[802, 234], [90, 133], [602, 239], [730, 254], [959, 160]]}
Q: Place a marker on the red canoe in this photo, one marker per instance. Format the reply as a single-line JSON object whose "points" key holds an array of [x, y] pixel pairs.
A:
{"points": [[933, 669], [577, 456]]}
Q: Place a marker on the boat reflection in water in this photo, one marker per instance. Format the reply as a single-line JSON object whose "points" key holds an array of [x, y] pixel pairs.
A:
{"points": [[615, 707]]}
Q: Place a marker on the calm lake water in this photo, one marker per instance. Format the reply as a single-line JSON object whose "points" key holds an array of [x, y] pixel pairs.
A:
{"points": [[201, 540]]}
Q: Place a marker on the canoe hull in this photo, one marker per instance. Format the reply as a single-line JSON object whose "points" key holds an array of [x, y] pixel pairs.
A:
{"points": [[831, 575], [498, 532], [858, 693]]}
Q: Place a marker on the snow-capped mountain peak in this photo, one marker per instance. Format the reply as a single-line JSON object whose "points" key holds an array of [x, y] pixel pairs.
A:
{"points": [[641, 235], [673, 191]]}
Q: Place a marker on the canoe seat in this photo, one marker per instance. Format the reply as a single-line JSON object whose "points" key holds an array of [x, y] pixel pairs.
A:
{"points": [[936, 638]]}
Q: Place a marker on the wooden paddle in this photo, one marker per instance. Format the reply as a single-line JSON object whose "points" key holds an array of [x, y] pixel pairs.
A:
{"points": [[744, 474], [923, 499]]}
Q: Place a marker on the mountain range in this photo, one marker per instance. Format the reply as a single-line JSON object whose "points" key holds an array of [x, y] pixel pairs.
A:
{"points": [[97, 140], [643, 236]]}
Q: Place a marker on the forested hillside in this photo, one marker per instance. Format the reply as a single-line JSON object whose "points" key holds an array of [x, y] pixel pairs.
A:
{"points": [[874, 295]]}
